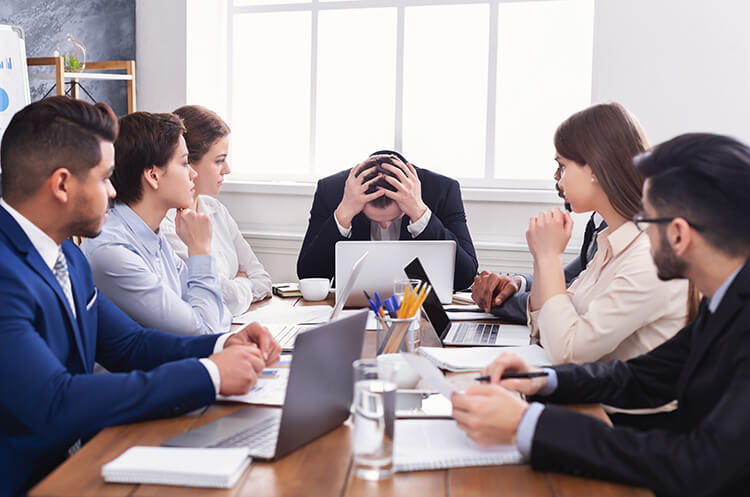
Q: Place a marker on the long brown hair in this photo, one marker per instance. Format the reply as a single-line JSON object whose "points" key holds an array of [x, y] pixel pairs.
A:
{"points": [[203, 127], [606, 137]]}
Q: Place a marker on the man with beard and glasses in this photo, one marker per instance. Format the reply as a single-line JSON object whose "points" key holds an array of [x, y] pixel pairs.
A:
{"points": [[696, 185]]}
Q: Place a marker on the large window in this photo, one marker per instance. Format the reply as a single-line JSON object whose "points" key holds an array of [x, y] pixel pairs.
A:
{"points": [[472, 89]]}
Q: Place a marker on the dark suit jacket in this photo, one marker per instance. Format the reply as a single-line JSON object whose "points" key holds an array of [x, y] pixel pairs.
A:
{"points": [[448, 222], [706, 367], [49, 397], [513, 310]]}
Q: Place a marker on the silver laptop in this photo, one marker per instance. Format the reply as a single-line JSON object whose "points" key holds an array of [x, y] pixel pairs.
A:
{"points": [[286, 333], [318, 397], [385, 264]]}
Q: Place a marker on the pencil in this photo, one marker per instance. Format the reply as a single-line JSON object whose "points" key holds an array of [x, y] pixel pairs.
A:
{"points": [[511, 376]]}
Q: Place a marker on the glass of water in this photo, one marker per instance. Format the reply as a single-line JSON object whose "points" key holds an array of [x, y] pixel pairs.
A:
{"points": [[374, 413], [400, 286]]}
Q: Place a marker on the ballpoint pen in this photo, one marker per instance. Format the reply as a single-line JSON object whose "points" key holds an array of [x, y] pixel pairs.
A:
{"points": [[510, 376]]}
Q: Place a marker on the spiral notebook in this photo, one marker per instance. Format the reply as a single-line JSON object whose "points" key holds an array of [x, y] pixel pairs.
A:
{"points": [[421, 444]]}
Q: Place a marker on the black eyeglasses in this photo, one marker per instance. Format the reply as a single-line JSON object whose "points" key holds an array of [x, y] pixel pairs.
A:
{"points": [[641, 221]]}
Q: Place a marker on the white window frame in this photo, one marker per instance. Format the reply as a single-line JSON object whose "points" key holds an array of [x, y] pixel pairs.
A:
{"points": [[479, 189]]}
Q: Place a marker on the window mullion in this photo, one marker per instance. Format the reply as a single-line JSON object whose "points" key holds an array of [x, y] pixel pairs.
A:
{"points": [[489, 164]]}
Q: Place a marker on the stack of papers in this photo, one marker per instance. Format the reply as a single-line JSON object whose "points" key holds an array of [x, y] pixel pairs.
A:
{"points": [[476, 358], [270, 389], [304, 314], [178, 466]]}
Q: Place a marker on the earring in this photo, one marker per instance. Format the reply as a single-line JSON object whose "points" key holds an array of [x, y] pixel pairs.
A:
{"points": [[593, 179]]}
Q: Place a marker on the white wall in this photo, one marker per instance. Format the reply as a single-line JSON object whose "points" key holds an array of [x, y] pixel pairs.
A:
{"points": [[679, 65]]}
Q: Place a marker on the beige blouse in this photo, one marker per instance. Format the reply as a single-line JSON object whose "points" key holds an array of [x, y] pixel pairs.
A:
{"points": [[617, 308]]}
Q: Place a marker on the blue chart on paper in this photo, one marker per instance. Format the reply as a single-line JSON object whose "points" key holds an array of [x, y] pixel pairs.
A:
{"points": [[4, 100]]}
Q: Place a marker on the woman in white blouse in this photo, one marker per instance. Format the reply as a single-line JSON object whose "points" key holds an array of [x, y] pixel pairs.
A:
{"points": [[618, 308], [243, 279]]}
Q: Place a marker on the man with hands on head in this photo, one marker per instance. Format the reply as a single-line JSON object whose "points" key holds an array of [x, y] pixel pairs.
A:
{"points": [[385, 198], [695, 184], [506, 295], [57, 157]]}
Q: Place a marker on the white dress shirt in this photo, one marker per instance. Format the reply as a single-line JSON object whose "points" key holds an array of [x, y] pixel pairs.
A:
{"points": [[232, 254], [393, 231]]}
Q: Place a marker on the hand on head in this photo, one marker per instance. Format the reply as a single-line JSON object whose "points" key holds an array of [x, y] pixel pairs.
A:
{"points": [[355, 194], [194, 229], [408, 194], [239, 367], [255, 334], [492, 289], [549, 233]]}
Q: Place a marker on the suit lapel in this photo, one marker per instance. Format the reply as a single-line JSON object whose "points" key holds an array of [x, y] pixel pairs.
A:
{"points": [[23, 245], [79, 296], [360, 227], [713, 325]]}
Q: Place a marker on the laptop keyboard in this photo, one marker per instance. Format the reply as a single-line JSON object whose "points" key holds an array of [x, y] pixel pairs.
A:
{"points": [[260, 438], [479, 333], [286, 335]]}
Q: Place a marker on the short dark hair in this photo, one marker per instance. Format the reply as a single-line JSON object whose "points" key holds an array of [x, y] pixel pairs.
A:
{"points": [[374, 166], [50, 134], [145, 140], [203, 128], [705, 179]]}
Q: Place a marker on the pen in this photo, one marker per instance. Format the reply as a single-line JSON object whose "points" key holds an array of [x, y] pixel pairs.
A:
{"points": [[377, 299], [510, 376]]}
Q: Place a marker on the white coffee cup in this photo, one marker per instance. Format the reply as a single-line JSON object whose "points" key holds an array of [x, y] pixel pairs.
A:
{"points": [[405, 377], [314, 289]]}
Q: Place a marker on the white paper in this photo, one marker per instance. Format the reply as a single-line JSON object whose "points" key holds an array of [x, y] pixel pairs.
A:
{"points": [[430, 374], [178, 466], [476, 358], [306, 314], [270, 389]]}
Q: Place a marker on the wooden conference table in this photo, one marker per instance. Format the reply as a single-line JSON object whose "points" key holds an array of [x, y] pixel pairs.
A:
{"points": [[321, 468]]}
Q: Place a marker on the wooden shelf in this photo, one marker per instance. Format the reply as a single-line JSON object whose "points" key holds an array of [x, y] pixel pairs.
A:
{"points": [[110, 65]]}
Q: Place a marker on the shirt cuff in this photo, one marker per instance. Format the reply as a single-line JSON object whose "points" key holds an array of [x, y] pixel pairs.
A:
{"points": [[345, 232], [551, 385], [213, 372], [219, 345], [200, 265], [417, 227], [527, 428], [524, 283]]}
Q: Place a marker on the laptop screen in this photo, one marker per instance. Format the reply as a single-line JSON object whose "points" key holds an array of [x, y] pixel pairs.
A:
{"points": [[432, 306]]}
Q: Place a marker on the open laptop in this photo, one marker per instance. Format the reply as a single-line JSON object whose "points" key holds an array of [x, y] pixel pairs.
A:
{"points": [[465, 333], [318, 397], [384, 263], [285, 334]]}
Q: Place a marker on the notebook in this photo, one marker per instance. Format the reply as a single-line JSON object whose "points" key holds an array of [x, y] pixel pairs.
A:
{"points": [[476, 358], [420, 444], [178, 466]]}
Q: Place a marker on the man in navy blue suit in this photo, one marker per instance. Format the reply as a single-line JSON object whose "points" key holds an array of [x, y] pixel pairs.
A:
{"points": [[385, 198], [57, 156]]}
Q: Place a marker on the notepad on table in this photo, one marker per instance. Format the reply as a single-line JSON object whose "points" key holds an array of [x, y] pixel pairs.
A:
{"points": [[219, 468], [420, 444], [476, 358]]}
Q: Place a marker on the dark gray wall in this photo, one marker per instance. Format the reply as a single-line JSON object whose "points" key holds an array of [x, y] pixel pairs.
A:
{"points": [[106, 28]]}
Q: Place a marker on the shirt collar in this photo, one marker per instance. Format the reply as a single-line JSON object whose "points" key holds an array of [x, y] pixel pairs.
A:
{"points": [[132, 221], [41, 241], [722, 290], [619, 239], [205, 207]]}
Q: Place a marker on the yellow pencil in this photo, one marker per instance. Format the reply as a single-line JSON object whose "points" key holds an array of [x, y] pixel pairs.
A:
{"points": [[414, 305], [421, 299], [404, 303]]}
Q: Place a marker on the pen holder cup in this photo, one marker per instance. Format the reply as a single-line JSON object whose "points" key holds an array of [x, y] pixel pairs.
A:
{"points": [[397, 335]]}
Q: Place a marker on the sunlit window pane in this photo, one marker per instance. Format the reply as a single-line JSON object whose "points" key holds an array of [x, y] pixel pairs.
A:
{"points": [[243, 3], [356, 86], [544, 75], [445, 88], [271, 95]]}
